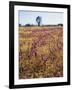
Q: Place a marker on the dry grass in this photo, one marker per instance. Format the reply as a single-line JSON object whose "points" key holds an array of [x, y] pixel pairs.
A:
{"points": [[40, 52]]}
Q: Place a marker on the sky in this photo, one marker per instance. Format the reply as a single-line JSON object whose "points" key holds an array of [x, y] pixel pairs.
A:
{"points": [[29, 17]]}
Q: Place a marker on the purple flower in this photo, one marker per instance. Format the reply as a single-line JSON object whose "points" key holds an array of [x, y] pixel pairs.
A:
{"points": [[44, 57]]}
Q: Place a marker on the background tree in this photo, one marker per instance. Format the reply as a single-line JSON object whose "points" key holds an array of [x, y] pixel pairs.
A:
{"points": [[19, 25], [38, 20]]}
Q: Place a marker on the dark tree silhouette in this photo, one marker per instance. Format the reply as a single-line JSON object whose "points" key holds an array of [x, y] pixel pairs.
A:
{"points": [[38, 20], [19, 24], [27, 24]]}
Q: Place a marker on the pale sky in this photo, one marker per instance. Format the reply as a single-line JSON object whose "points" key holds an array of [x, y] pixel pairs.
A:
{"points": [[29, 17]]}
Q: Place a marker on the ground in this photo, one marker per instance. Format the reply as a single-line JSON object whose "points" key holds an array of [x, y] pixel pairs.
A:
{"points": [[40, 52]]}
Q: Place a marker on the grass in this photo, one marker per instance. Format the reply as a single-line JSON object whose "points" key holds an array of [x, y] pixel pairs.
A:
{"points": [[40, 52]]}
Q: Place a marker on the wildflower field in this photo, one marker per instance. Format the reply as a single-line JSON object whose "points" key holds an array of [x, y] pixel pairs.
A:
{"points": [[40, 52]]}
